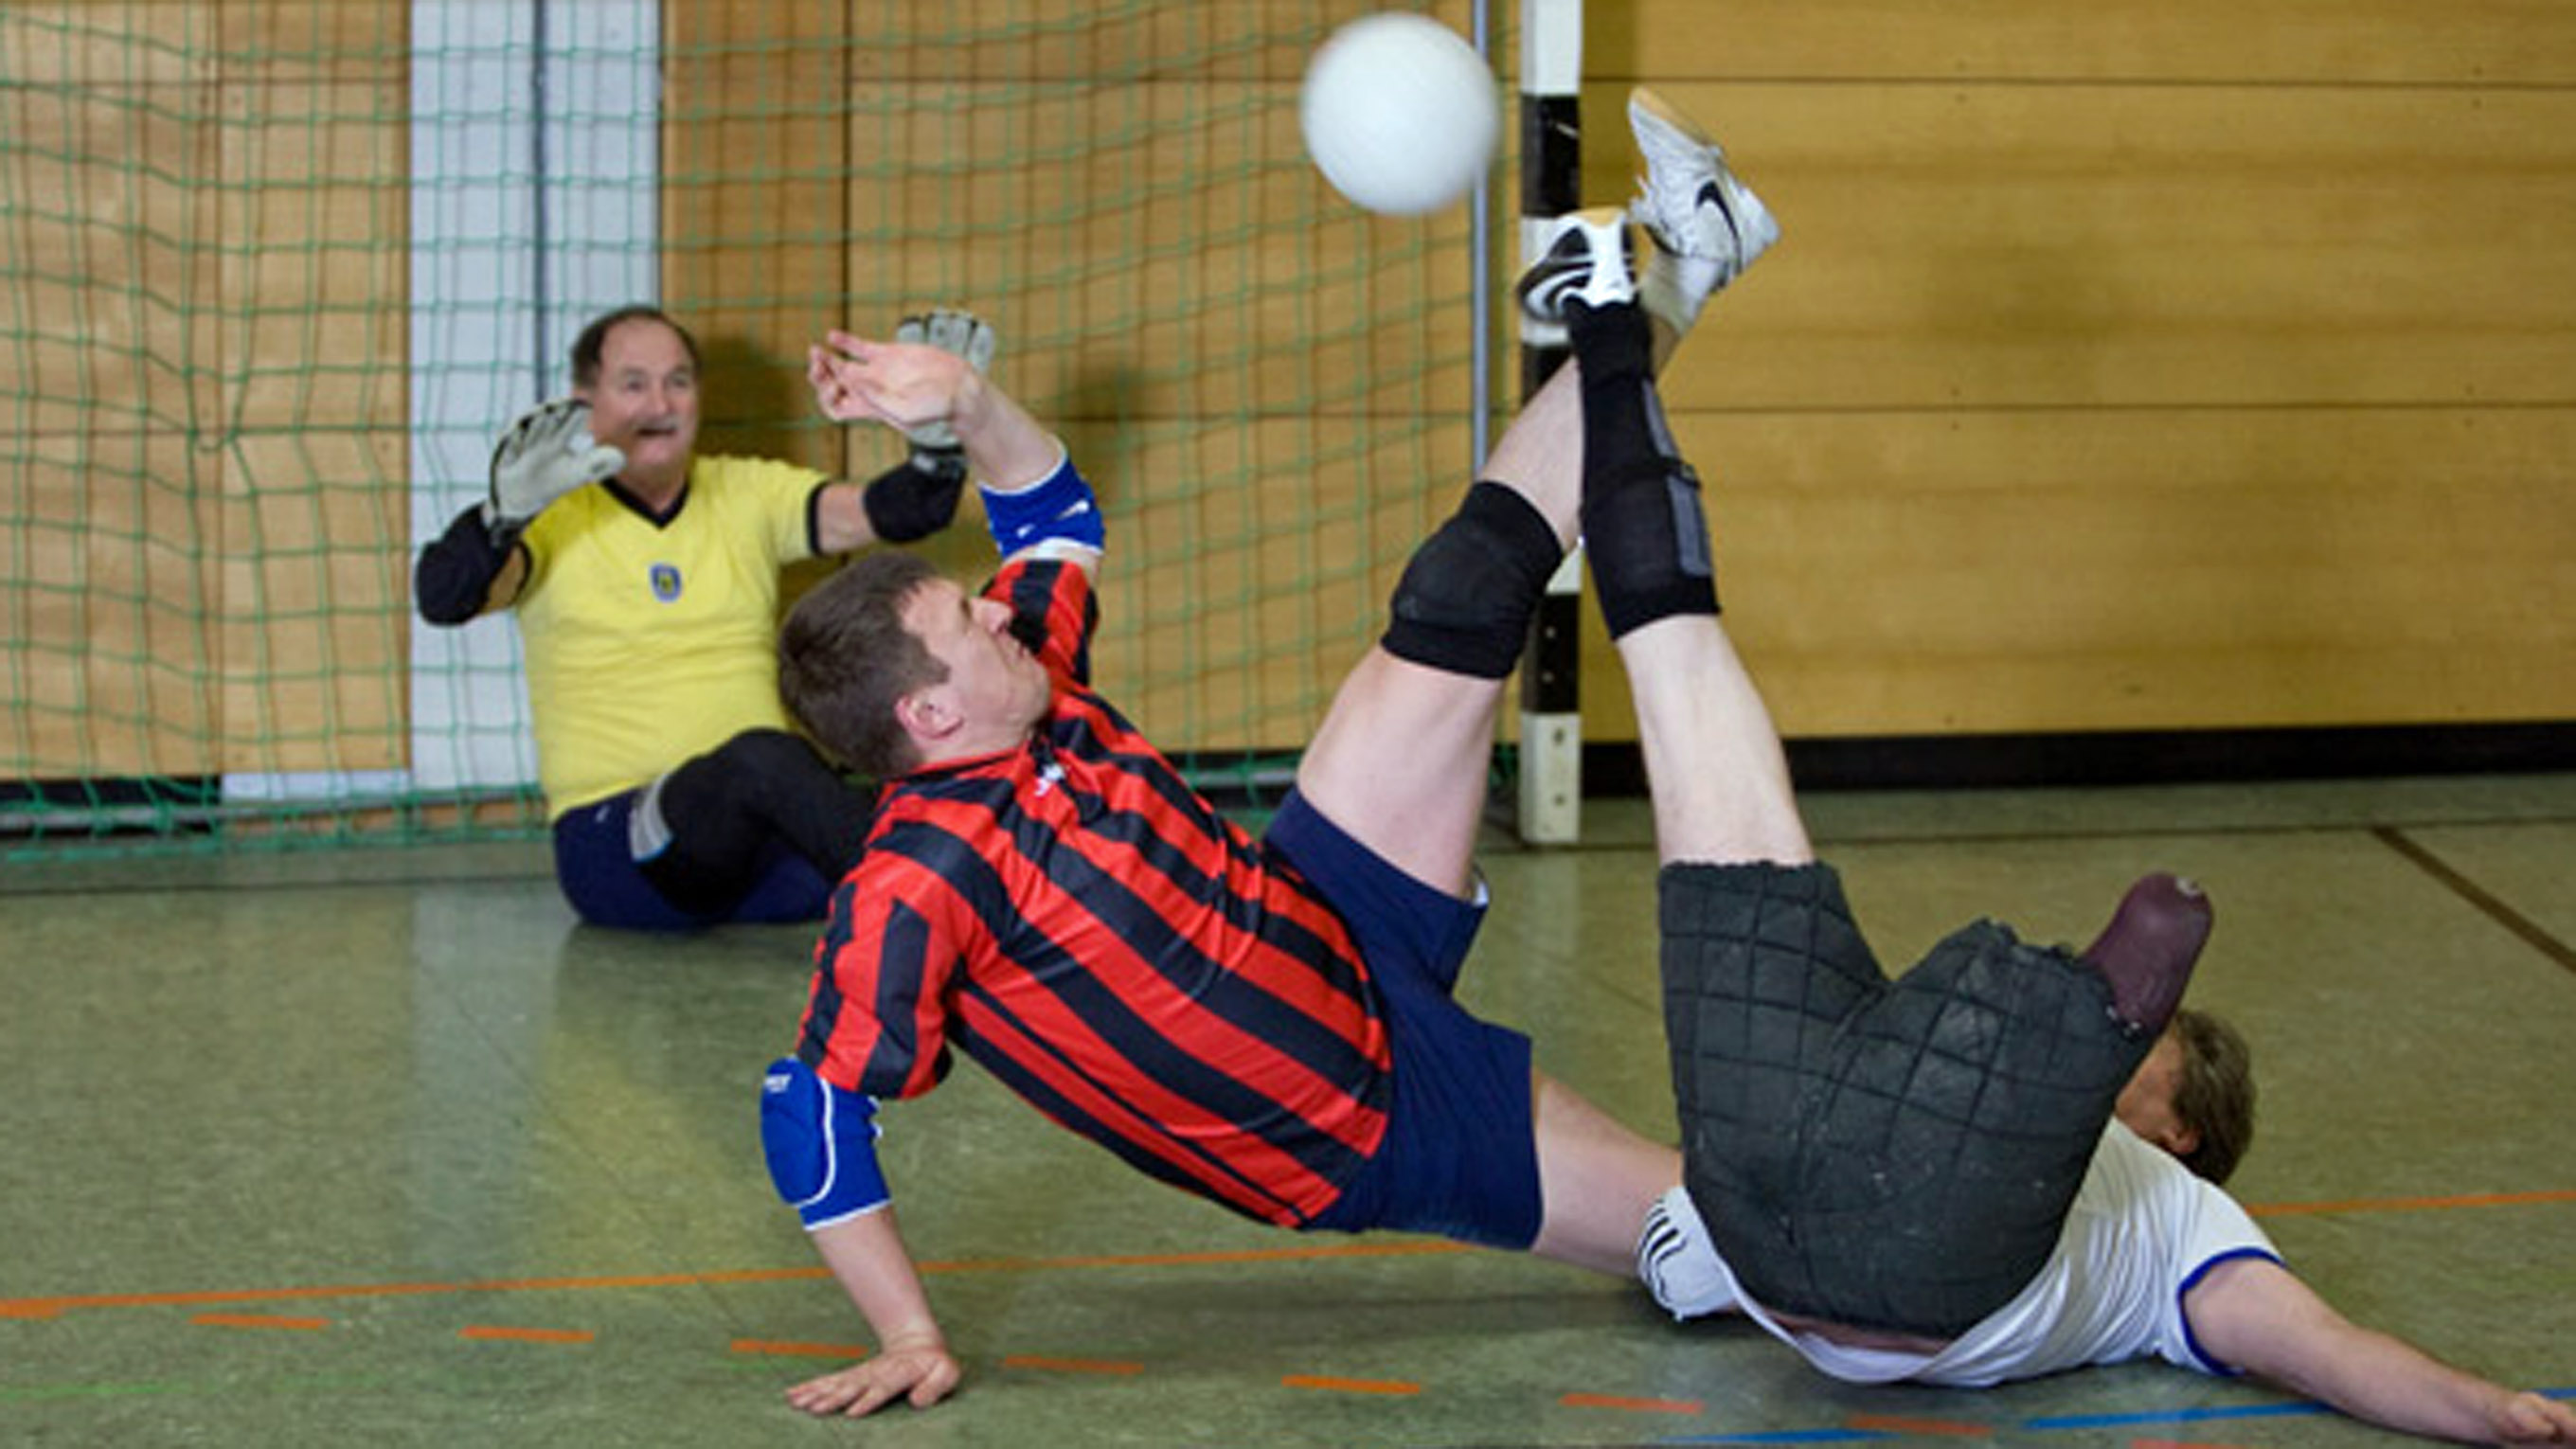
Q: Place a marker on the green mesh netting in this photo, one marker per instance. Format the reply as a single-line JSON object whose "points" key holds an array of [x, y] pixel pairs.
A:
{"points": [[272, 275]]}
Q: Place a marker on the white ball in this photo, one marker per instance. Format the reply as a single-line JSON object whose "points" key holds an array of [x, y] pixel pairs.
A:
{"points": [[1400, 113]]}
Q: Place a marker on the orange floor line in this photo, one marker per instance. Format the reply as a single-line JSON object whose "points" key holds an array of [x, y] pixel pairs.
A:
{"points": [[1072, 1365], [801, 1350], [1928, 1428], [2410, 1204], [257, 1320], [51, 1305], [1391, 1249], [493, 1333], [1640, 1406], [47, 1307], [1350, 1386]]}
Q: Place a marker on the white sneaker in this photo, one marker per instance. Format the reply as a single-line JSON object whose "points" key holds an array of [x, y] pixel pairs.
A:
{"points": [[1707, 227], [1585, 256], [1678, 1263]]}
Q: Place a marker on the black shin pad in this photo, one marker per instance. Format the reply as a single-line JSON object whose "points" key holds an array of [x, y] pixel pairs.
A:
{"points": [[1895, 1155], [1642, 520]]}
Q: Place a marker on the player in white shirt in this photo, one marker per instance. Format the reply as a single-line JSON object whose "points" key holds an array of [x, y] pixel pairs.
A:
{"points": [[2141, 1232], [1920, 1178]]}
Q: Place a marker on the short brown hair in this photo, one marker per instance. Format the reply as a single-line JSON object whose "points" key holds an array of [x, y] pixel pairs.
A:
{"points": [[845, 659], [2215, 1098], [592, 344]]}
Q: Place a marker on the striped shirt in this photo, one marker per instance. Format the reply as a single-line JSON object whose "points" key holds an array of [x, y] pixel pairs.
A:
{"points": [[1077, 919]]}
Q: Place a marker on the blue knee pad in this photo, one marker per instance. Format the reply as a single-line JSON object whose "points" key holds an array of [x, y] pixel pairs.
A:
{"points": [[821, 1143]]}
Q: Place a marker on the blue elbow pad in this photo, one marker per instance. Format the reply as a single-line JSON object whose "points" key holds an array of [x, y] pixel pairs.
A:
{"points": [[1057, 508], [822, 1145]]}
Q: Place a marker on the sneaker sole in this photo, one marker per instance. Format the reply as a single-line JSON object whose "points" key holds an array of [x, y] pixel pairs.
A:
{"points": [[1543, 289]]}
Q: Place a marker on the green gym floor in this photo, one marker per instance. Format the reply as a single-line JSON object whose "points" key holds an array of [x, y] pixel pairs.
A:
{"points": [[377, 1147]]}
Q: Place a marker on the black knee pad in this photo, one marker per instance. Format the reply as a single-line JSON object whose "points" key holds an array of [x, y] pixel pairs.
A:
{"points": [[1466, 598]]}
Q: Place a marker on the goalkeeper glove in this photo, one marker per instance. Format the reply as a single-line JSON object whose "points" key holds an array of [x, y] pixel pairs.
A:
{"points": [[949, 329], [919, 497], [546, 454]]}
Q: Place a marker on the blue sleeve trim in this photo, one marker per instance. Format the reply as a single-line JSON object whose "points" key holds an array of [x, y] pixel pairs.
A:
{"points": [[821, 1143], [2209, 1362], [1058, 508]]}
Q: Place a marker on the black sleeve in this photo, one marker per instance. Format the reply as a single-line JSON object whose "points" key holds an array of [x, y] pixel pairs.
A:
{"points": [[917, 497], [454, 575]]}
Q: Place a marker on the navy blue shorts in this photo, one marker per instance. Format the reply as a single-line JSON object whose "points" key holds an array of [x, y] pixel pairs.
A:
{"points": [[599, 876], [1460, 1157]]}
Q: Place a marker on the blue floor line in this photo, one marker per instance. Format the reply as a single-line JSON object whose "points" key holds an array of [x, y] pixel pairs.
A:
{"points": [[2055, 1421], [2175, 1416]]}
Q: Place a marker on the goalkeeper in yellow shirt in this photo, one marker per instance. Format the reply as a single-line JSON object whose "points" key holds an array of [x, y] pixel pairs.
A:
{"points": [[645, 580]]}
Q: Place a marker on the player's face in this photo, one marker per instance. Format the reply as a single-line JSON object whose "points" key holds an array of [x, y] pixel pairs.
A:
{"points": [[2146, 1104], [645, 401], [996, 690]]}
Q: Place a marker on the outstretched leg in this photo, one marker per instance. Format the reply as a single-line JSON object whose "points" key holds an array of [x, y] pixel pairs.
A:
{"points": [[1400, 761], [1714, 766], [1894, 1156]]}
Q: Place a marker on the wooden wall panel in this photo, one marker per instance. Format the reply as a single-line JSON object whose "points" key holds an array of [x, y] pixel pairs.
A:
{"points": [[313, 621], [1182, 257], [2140, 370], [104, 637], [754, 174], [2140, 367], [1231, 541], [313, 626], [314, 257], [1983, 572], [104, 274], [108, 635], [1081, 40], [2073, 246], [2488, 44]]}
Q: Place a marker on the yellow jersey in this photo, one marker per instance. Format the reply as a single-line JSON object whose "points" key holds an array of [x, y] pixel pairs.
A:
{"points": [[648, 643]]}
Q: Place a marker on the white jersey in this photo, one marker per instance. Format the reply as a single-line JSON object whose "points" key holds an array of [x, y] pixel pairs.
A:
{"points": [[2142, 1231]]}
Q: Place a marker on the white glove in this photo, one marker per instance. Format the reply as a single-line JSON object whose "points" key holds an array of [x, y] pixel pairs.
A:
{"points": [[546, 454], [950, 329]]}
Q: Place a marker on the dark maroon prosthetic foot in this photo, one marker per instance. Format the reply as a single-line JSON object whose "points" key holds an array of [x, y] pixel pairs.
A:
{"points": [[2148, 950]]}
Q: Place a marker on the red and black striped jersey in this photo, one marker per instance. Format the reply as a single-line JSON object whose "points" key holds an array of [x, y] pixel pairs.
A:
{"points": [[1077, 919]]}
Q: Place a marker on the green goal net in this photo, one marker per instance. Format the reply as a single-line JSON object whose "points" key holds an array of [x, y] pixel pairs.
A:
{"points": [[272, 275]]}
